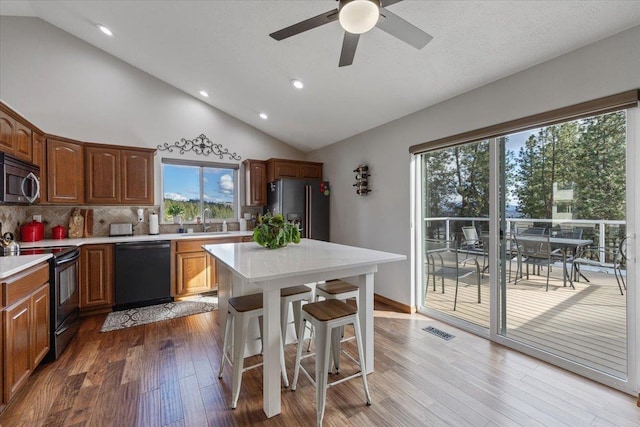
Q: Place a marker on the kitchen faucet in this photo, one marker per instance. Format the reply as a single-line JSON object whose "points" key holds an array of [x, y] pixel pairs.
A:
{"points": [[205, 227]]}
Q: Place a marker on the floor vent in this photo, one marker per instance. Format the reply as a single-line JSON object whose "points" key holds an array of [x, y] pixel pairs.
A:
{"points": [[437, 332]]}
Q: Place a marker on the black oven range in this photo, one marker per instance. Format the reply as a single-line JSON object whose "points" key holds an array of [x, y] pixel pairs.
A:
{"points": [[64, 298]]}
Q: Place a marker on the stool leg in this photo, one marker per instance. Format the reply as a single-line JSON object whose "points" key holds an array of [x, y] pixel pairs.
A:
{"points": [[297, 308], [298, 356], [284, 318], [334, 357], [225, 342], [240, 327], [323, 340], [356, 326], [283, 368]]}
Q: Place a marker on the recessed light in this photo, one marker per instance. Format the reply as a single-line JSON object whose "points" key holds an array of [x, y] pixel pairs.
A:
{"points": [[204, 93], [105, 30], [297, 84], [264, 116]]}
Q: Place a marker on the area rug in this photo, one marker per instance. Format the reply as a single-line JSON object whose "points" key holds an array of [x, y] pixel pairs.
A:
{"points": [[156, 313]]}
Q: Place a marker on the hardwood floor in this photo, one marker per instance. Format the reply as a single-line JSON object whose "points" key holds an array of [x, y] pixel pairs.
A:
{"points": [[165, 374]]}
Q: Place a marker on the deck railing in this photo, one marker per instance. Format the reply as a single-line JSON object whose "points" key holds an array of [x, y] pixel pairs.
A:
{"points": [[604, 233]]}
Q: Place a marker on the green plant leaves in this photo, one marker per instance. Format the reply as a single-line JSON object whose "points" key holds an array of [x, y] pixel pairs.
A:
{"points": [[274, 232]]}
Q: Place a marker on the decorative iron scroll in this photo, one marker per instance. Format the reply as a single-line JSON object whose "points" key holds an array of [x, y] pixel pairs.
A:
{"points": [[200, 145]]}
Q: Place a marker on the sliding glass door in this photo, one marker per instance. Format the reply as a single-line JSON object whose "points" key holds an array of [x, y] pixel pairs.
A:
{"points": [[523, 237], [564, 222]]}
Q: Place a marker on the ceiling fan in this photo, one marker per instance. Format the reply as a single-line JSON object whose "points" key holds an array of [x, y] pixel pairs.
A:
{"points": [[358, 17]]}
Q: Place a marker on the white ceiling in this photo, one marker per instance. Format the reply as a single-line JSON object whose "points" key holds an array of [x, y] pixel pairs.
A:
{"points": [[223, 47]]}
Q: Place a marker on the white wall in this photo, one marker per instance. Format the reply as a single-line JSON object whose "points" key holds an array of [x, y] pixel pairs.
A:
{"points": [[382, 219], [70, 88]]}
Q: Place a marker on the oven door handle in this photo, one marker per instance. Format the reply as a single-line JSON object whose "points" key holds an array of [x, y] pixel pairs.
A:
{"points": [[35, 179], [63, 261]]}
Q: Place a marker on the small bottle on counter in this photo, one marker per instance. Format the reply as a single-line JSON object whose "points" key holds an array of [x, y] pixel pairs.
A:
{"points": [[224, 225]]}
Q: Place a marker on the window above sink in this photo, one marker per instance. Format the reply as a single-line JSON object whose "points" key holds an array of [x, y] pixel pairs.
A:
{"points": [[190, 187]]}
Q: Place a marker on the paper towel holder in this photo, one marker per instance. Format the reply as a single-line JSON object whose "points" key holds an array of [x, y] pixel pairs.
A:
{"points": [[154, 228]]}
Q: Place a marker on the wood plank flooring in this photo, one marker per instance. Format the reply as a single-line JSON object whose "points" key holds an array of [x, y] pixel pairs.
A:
{"points": [[165, 374], [586, 324]]}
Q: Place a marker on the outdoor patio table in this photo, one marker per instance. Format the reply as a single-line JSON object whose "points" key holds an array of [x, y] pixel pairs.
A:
{"points": [[559, 243]]}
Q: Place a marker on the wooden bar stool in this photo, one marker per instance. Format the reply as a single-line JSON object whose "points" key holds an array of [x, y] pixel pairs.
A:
{"points": [[241, 310], [326, 316], [293, 296], [337, 289]]}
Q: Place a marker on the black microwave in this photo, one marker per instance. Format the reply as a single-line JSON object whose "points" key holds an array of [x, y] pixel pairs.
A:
{"points": [[20, 182]]}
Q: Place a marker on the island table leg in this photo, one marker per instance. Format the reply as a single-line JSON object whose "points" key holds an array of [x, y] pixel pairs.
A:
{"points": [[271, 345]]}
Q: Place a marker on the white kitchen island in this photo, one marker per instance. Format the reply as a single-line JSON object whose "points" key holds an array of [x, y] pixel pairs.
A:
{"points": [[249, 266]]}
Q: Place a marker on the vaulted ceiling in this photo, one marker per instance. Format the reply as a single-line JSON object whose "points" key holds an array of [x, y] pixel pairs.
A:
{"points": [[224, 47]]}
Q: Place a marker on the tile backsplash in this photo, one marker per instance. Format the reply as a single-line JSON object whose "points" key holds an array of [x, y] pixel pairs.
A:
{"points": [[12, 217]]}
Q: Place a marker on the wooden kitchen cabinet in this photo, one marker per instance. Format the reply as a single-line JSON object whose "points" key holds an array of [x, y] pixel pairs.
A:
{"points": [[7, 132], [193, 273], [115, 175], [65, 171], [15, 134], [296, 169], [137, 170], [26, 321], [194, 269], [255, 182], [96, 277], [102, 168], [22, 142]]}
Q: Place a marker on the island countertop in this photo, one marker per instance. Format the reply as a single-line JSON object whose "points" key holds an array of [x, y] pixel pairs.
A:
{"points": [[256, 263]]}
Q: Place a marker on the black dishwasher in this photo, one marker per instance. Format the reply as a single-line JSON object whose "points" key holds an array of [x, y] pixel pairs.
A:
{"points": [[143, 273]]}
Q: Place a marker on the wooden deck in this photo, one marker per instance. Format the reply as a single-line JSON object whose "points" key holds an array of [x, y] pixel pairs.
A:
{"points": [[586, 324]]}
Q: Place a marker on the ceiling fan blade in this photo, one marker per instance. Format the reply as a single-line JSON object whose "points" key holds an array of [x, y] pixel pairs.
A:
{"points": [[403, 30], [349, 45], [307, 24]]}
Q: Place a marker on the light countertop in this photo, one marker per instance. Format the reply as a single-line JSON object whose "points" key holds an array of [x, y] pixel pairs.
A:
{"points": [[10, 265], [138, 238], [256, 263]]}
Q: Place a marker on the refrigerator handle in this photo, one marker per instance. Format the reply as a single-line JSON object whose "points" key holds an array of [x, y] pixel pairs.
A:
{"points": [[307, 209]]}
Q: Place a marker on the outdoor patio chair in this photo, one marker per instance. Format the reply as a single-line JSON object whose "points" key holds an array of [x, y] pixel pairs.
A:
{"points": [[601, 260], [444, 260], [537, 253]]}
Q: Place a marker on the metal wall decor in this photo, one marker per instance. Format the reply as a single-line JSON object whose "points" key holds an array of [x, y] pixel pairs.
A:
{"points": [[362, 180], [200, 145]]}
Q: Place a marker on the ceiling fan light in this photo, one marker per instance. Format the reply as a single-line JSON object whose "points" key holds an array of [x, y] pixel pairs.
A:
{"points": [[359, 16]]}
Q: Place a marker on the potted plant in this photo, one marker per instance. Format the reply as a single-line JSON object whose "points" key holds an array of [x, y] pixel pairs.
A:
{"points": [[175, 210], [274, 232]]}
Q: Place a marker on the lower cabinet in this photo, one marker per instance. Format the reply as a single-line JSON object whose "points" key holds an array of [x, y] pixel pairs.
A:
{"points": [[25, 327], [195, 270], [96, 277]]}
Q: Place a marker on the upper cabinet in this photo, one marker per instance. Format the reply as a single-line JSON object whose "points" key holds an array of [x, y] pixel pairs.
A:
{"points": [[118, 175], [255, 172], [260, 172], [137, 170], [7, 132], [15, 134], [102, 168], [65, 171], [281, 168]]}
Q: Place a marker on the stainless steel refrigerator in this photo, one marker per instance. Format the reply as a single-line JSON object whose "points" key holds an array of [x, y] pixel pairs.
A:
{"points": [[302, 202]]}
